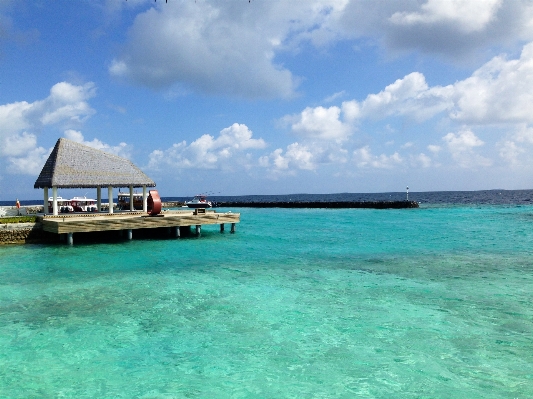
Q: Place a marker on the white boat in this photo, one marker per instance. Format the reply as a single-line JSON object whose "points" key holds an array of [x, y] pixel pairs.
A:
{"points": [[83, 204], [63, 205], [199, 201]]}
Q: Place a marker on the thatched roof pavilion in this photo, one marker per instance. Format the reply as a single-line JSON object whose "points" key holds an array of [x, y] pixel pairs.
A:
{"points": [[75, 165]]}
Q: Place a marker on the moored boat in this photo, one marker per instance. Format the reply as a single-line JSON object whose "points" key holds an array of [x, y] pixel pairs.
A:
{"points": [[124, 201], [63, 205], [83, 204], [199, 201]]}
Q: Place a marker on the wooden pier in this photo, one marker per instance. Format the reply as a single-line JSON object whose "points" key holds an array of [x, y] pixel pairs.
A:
{"points": [[128, 221]]}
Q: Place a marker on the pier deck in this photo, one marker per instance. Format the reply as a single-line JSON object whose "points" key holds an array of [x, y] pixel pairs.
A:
{"points": [[92, 222]]}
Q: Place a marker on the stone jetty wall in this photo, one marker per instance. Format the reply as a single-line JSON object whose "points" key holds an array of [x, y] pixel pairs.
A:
{"points": [[18, 233]]}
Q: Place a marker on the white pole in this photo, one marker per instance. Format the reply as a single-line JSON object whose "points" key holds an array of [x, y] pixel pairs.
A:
{"points": [[45, 207], [54, 199], [407, 193], [131, 199], [145, 200], [110, 198], [99, 198]]}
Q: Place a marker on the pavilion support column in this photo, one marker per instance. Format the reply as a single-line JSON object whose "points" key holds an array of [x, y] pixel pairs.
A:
{"points": [[221, 227], [45, 207], [177, 231], [54, 199], [132, 208], [110, 198], [233, 227], [130, 234], [99, 198], [70, 238], [198, 229], [145, 200]]}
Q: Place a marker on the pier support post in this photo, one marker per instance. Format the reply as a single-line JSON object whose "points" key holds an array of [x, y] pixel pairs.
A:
{"points": [[70, 238], [99, 198], [110, 198], [130, 234], [233, 227], [54, 200], [198, 229], [45, 206], [131, 199], [177, 231], [145, 200], [222, 227]]}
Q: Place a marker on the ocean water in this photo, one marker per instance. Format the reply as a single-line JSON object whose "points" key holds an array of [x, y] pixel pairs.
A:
{"points": [[434, 302]]}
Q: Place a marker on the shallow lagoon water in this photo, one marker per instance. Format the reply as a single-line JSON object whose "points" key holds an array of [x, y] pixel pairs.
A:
{"points": [[419, 303]]}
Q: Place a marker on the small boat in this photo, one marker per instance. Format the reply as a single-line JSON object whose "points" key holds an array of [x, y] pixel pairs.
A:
{"points": [[199, 201], [83, 204]]}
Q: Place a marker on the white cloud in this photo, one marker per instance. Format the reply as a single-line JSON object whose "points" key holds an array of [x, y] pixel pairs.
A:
{"points": [[16, 145], [408, 96], [468, 16], [498, 92], [455, 29], [461, 146], [20, 122], [322, 124], [434, 148], [29, 164], [224, 47], [208, 152], [509, 151], [421, 160], [297, 156], [364, 158]]}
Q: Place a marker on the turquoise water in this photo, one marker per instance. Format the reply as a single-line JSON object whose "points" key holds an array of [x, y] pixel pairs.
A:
{"points": [[433, 302]]}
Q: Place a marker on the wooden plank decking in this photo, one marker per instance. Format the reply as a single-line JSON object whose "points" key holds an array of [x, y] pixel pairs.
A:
{"points": [[78, 223]]}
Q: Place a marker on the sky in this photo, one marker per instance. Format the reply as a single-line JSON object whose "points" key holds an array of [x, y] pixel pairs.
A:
{"points": [[243, 97]]}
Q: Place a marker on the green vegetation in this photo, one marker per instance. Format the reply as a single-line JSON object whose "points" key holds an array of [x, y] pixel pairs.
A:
{"points": [[18, 219]]}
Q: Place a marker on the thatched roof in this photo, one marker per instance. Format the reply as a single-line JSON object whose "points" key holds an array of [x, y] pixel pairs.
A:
{"points": [[75, 165]]}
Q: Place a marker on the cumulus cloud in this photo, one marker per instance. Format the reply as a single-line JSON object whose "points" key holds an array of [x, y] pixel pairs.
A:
{"points": [[421, 160], [455, 29], [210, 47], [408, 96], [510, 151], [20, 122], [364, 158], [498, 92], [468, 16], [296, 156], [231, 48], [461, 146], [208, 152], [18, 144], [31, 163], [322, 124]]}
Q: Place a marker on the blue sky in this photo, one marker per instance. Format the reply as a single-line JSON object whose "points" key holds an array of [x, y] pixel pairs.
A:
{"points": [[273, 97]]}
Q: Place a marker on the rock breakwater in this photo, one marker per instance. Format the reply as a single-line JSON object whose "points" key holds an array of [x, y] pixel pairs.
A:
{"points": [[323, 204]]}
